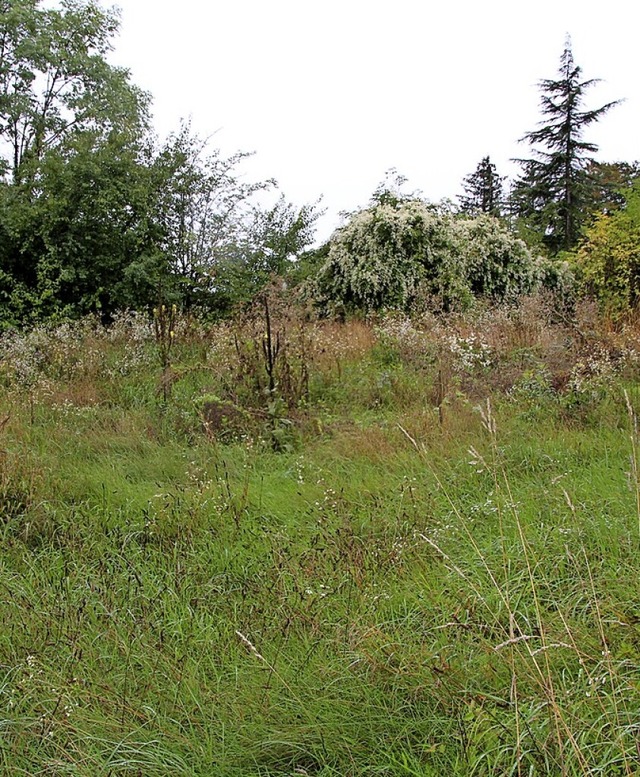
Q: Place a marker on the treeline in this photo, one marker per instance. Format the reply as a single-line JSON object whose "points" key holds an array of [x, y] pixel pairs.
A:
{"points": [[566, 204], [97, 215], [568, 223]]}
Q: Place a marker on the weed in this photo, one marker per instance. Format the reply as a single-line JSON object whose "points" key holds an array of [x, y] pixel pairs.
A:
{"points": [[326, 593], [164, 327]]}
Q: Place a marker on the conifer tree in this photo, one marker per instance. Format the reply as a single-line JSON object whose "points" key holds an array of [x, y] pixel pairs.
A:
{"points": [[483, 191], [554, 187]]}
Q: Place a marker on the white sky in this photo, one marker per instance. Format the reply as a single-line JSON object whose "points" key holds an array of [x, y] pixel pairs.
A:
{"points": [[330, 95]]}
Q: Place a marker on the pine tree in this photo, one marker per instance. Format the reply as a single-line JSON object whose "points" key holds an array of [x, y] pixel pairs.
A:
{"points": [[554, 187], [483, 191]]}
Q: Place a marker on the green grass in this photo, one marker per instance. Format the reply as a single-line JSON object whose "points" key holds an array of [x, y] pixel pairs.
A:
{"points": [[382, 595]]}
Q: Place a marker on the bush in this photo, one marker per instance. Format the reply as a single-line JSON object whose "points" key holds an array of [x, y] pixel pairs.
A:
{"points": [[496, 264], [608, 259], [399, 250]]}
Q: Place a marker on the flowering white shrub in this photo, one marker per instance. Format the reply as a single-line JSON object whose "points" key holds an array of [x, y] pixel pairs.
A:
{"points": [[496, 263], [382, 256], [393, 252]]}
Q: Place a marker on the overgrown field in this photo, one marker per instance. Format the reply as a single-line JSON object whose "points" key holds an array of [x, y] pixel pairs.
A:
{"points": [[278, 546]]}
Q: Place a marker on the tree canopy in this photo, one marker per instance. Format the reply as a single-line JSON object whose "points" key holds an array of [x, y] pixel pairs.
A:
{"points": [[608, 258], [55, 80], [95, 213]]}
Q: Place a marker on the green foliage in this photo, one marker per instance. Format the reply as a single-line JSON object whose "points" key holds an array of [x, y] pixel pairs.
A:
{"points": [[553, 192], [94, 216], [394, 252], [483, 190], [272, 242], [89, 224], [220, 243], [608, 259], [55, 80], [116, 223], [75, 187], [201, 211], [609, 183]]}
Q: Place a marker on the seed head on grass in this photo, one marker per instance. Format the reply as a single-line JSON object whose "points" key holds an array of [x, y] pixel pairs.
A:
{"points": [[251, 647]]}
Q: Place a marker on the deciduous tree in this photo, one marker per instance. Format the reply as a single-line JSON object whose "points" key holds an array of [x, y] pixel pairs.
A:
{"points": [[94, 214], [55, 80], [221, 241], [608, 259], [610, 183]]}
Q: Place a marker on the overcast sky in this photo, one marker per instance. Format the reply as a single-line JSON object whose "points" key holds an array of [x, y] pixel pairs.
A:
{"points": [[330, 95]]}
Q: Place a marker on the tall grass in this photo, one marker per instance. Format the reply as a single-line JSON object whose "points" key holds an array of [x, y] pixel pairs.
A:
{"points": [[435, 572]]}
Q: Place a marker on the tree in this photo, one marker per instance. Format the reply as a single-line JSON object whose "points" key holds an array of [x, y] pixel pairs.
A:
{"points": [[610, 183], [94, 214], [608, 259], [70, 246], [483, 191], [553, 188], [276, 238], [200, 210], [55, 80], [93, 225], [71, 132], [221, 242]]}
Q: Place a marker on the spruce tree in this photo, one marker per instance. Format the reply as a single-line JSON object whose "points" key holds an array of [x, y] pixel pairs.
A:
{"points": [[482, 190], [553, 188]]}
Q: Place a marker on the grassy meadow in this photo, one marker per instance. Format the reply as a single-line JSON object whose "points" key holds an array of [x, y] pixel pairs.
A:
{"points": [[278, 546]]}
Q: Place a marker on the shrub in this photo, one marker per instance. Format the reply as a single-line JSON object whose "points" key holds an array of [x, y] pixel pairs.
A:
{"points": [[496, 264], [399, 250], [608, 259]]}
